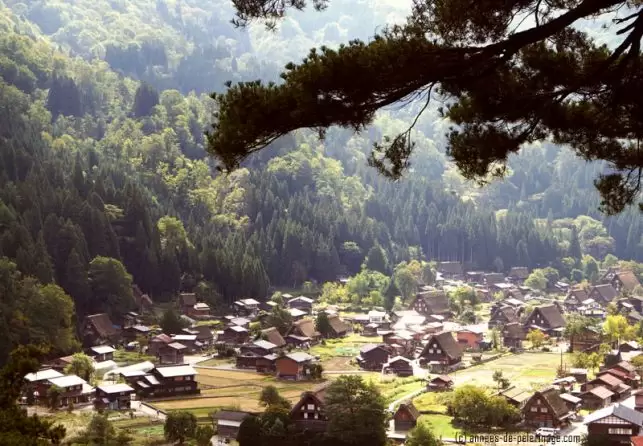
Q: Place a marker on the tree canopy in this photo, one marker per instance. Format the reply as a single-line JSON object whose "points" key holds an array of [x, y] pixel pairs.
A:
{"points": [[504, 86]]}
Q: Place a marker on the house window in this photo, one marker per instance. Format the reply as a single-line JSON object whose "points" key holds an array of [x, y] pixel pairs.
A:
{"points": [[316, 416], [311, 407], [438, 351], [430, 350], [534, 409], [543, 409], [305, 415], [619, 431]]}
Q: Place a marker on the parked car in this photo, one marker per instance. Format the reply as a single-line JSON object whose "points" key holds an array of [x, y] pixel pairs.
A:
{"points": [[547, 432]]}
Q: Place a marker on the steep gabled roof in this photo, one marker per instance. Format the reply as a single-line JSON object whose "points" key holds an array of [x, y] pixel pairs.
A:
{"points": [[519, 272], [608, 379], [447, 344], [231, 415], [628, 279], [338, 325], [625, 366], [580, 294], [493, 278], [555, 402], [272, 335], [410, 409], [436, 301], [304, 326], [606, 291], [514, 331], [450, 268], [505, 313], [551, 314], [102, 324]]}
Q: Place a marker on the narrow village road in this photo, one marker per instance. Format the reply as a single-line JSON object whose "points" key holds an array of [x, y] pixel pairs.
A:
{"points": [[147, 410]]}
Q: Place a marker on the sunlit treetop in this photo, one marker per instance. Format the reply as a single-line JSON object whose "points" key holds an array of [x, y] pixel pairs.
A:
{"points": [[506, 87]]}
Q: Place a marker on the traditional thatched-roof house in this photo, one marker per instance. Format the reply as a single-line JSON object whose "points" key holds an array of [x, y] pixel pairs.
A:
{"points": [[272, 335], [442, 353], [546, 408], [546, 318], [98, 329]]}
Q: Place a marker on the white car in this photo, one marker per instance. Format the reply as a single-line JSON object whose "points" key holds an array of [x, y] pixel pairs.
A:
{"points": [[547, 432]]}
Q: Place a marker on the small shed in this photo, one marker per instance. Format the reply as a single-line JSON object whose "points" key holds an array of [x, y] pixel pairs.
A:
{"points": [[440, 383], [405, 417]]}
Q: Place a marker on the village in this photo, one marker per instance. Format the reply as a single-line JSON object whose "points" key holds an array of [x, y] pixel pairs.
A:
{"points": [[520, 348]]}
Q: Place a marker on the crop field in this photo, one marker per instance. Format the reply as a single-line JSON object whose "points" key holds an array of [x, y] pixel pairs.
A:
{"points": [[233, 389], [337, 354], [524, 370]]}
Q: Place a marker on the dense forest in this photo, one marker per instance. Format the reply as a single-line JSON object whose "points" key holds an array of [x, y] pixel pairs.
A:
{"points": [[104, 180]]}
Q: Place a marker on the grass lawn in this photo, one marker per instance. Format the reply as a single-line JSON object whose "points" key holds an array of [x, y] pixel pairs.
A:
{"points": [[441, 425], [394, 388], [523, 370], [431, 401], [123, 357], [345, 348], [216, 362], [142, 429]]}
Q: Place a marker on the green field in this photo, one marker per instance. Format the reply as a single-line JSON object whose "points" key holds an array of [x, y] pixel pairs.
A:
{"points": [[523, 370]]}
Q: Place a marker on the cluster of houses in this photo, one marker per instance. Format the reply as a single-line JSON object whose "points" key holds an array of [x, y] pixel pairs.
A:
{"points": [[144, 380]]}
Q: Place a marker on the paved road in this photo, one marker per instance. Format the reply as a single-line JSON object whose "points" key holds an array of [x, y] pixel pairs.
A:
{"points": [[145, 409]]}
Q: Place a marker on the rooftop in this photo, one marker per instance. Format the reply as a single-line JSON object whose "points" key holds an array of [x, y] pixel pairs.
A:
{"points": [[179, 370], [42, 375], [102, 349], [116, 388], [67, 381]]}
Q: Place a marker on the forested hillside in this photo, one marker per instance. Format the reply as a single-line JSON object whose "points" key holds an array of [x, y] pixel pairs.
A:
{"points": [[104, 179]]}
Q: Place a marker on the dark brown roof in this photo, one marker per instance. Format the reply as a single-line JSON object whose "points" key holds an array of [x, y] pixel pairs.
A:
{"points": [[450, 268], [551, 314], [203, 332], [519, 272], [628, 279], [272, 335], [610, 380], [410, 409], [514, 331], [436, 301], [447, 343], [306, 327], [443, 378], [554, 400], [102, 324], [187, 299], [606, 291], [508, 312], [494, 278], [601, 392], [579, 293], [318, 394], [626, 366], [231, 415], [338, 325]]}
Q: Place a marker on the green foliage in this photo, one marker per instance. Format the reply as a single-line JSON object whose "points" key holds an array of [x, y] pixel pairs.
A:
{"points": [[536, 338], [81, 365], [617, 329], [31, 312], [279, 318], [101, 431], [272, 401], [356, 412], [348, 85], [376, 260], [322, 324], [171, 322], [537, 280], [203, 435], [422, 435], [179, 426], [18, 428], [474, 407]]}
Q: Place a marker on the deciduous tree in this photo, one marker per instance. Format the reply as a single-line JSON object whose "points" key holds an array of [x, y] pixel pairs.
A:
{"points": [[179, 426]]}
